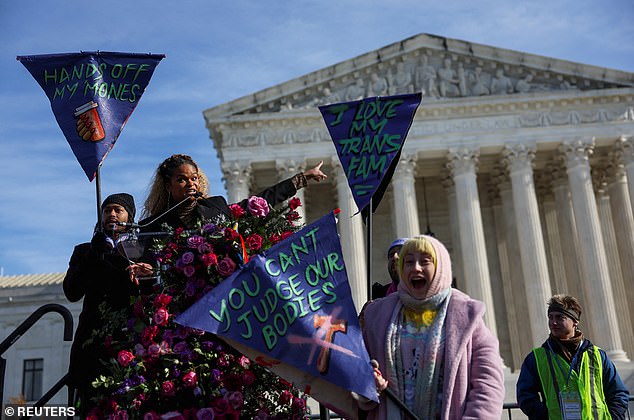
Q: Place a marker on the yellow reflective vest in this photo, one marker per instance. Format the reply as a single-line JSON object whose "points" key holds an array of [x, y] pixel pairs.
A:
{"points": [[587, 382]]}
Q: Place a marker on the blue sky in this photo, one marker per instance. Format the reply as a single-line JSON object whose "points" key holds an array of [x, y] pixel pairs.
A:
{"points": [[218, 51]]}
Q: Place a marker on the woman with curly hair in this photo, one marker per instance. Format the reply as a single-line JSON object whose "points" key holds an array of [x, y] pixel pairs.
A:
{"points": [[179, 177]]}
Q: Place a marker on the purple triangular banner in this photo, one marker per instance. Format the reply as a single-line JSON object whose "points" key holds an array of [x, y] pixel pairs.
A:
{"points": [[285, 305], [92, 95], [369, 135]]}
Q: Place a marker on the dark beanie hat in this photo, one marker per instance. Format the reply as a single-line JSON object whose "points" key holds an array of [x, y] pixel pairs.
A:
{"points": [[123, 199]]}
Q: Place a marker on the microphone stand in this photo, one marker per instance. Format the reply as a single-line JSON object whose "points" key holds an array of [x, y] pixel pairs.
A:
{"points": [[136, 226], [133, 235]]}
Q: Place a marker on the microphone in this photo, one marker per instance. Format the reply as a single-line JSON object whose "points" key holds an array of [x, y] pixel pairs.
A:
{"points": [[195, 196], [131, 225]]}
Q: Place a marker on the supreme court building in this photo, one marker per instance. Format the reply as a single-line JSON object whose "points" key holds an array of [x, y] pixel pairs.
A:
{"points": [[522, 165]]}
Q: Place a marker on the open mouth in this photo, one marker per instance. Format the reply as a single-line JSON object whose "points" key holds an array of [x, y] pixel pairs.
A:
{"points": [[418, 283]]}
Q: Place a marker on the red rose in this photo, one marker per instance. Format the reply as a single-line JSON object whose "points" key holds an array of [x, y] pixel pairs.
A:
{"points": [[294, 202], [298, 404], [248, 378], [221, 406], [168, 388], [125, 357], [292, 216], [286, 234], [231, 235], [236, 211], [162, 300], [161, 316], [236, 400], [190, 379], [285, 397], [254, 241], [148, 334], [226, 267], [210, 259], [274, 238]]}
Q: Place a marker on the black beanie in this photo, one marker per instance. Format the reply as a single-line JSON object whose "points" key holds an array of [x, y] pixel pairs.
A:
{"points": [[123, 199]]}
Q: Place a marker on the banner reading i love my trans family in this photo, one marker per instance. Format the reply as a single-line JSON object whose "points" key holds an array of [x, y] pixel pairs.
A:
{"points": [[369, 135], [92, 95]]}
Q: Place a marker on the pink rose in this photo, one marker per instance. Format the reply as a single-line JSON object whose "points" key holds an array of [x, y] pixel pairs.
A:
{"points": [[168, 388], [161, 316], [195, 241], [236, 211], [244, 362], [125, 357], [190, 379], [151, 415], [155, 349], [258, 206], [226, 267], [254, 241]]}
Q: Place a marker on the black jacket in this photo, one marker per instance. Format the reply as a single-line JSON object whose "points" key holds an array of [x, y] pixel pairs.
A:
{"points": [[96, 278], [210, 207]]}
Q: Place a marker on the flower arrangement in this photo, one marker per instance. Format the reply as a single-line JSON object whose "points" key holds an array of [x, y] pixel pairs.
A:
{"points": [[161, 370]]}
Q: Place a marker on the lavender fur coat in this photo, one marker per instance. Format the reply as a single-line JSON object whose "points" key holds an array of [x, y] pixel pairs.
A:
{"points": [[473, 386]]}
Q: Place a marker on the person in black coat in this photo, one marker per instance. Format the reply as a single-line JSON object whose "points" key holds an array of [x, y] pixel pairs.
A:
{"points": [[179, 177], [100, 274]]}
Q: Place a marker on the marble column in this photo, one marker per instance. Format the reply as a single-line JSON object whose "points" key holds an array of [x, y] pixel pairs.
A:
{"points": [[599, 178], [625, 148], [512, 325], [623, 219], [236, 175], [567, 230], [518, 160], [456, 255], [405, 203], [596, 281], [462, 163], [287, 168], [543, 188], [518, 301], [352, 237]]}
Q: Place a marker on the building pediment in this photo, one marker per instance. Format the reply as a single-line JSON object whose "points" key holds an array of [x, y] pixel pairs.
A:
{"points": [[441, 68]]}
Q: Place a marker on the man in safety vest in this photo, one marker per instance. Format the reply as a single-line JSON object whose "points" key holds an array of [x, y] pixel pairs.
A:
{"points": [[568, 377]]}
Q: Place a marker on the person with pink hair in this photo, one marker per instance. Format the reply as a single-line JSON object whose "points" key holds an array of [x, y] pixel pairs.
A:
{"points": [[434, 352]]}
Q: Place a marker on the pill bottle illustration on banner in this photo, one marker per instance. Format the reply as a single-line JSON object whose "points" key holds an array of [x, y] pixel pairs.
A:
{"points": [[89, 125]]}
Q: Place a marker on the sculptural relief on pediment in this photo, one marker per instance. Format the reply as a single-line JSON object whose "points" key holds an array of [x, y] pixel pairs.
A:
{"points": [[439, 76]]}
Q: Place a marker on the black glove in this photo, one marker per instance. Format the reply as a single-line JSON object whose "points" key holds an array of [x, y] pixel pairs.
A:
{"points": [[101, 243]]}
